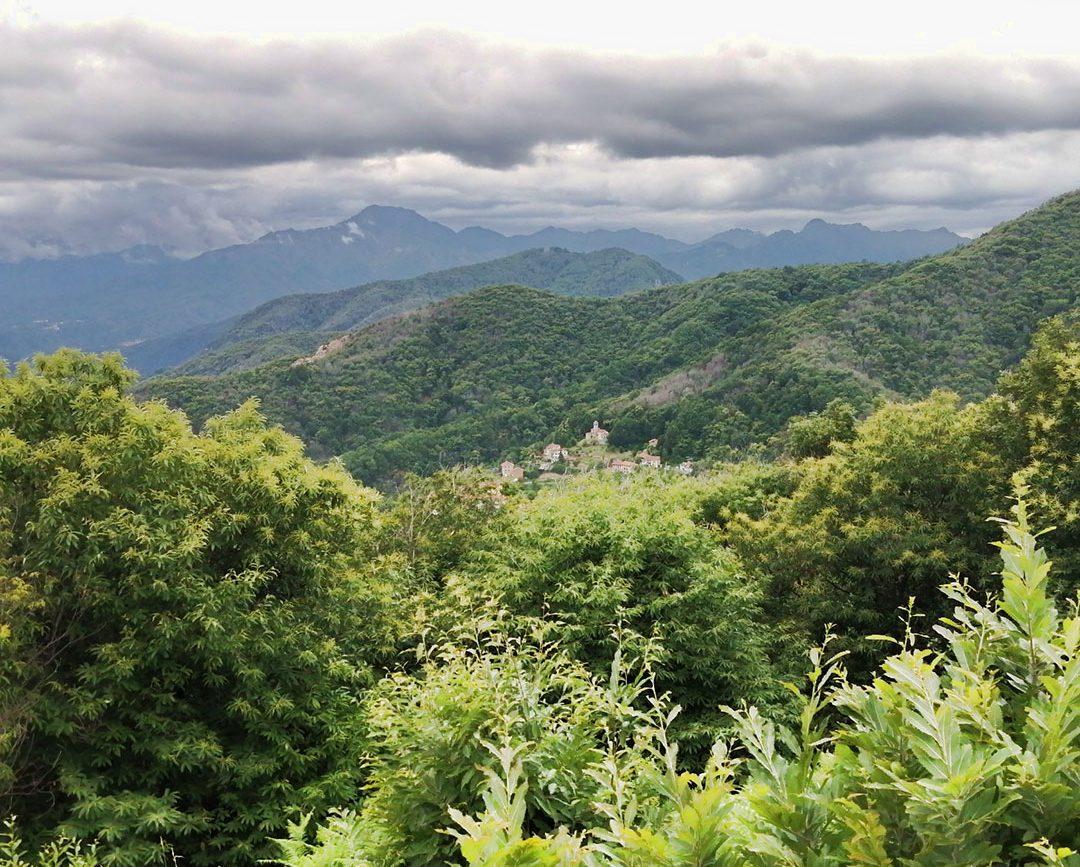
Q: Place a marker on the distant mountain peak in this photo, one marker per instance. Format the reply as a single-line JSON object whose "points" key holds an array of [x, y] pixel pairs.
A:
{"points": [[145, 294], [819, 225], [738, 238], [374, 214]]}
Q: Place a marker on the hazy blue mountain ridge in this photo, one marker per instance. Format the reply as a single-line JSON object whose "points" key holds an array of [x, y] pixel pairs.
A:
{"points": [[121, 300], [297, 324]]}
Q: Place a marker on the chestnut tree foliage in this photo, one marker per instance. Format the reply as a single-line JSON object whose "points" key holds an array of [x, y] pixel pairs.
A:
{"points": [[186, 623], [965, 755], [612, 565]]}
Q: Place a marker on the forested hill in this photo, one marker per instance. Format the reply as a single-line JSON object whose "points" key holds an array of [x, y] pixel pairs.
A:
{"points": [[297, 324], [706, 366], [499, 368], [957, 319]]}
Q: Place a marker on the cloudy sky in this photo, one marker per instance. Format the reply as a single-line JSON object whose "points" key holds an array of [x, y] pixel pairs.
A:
{"points": [[197, 124]]}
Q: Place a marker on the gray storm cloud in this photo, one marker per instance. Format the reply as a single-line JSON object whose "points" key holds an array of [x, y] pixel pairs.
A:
{"points": [[95, 99], [128, 118]]}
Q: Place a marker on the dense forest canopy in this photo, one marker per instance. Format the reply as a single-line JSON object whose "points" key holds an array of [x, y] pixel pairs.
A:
{"points": [[709, 368], [208, 637], [218, 647], [500, 368]]}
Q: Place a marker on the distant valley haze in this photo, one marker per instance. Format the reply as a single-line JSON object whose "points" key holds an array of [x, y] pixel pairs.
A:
{"points": [[119, 301]]}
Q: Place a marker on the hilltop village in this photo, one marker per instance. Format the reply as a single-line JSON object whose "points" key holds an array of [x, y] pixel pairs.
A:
{"points": [[591, 454]]}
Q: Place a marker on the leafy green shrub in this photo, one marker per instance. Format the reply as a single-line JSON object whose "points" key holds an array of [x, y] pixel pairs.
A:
{"points": [[186, 621], [879, 520], [431, 741], [813, 435], [966, 757], [749, 489], [611, 560], [63, 852]]}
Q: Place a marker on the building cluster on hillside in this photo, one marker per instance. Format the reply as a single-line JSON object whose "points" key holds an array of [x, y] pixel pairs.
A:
{"points": [[645, 458], [554, 453]]}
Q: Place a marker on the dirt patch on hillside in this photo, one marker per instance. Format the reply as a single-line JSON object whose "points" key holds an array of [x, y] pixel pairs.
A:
{"points": [[683, 383]]}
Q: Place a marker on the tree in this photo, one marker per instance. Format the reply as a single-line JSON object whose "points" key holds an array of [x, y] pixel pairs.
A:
{"points": [[613, 564], [813, 435], [1040, 409], [433, 521], [633, 428], [880, 520], [186, 621]]}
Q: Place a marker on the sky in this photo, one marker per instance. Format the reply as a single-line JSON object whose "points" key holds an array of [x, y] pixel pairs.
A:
{"points": [[200, 124]]}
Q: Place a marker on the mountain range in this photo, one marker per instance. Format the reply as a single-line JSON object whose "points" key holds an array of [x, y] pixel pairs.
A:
{"points": [[119, 300], [709, 366], [298, 324]]}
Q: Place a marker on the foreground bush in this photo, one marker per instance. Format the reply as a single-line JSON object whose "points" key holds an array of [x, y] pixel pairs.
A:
{"points": [[962, 751], [62, 852], [185, 624], [433, 737], [617, 562], [970, 756]]}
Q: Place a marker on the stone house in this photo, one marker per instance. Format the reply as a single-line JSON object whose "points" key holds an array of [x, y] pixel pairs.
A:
{"points": [[554, 452], [511, 471], [597, 436]]}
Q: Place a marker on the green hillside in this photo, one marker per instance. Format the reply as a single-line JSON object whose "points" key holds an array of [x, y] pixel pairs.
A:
{"points": [[501, 367], [952, 321], [207, 635], [297, 324], [708, 367]]}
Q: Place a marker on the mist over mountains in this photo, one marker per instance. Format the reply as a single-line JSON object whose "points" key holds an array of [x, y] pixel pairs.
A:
{"points": [[119, 300]]}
